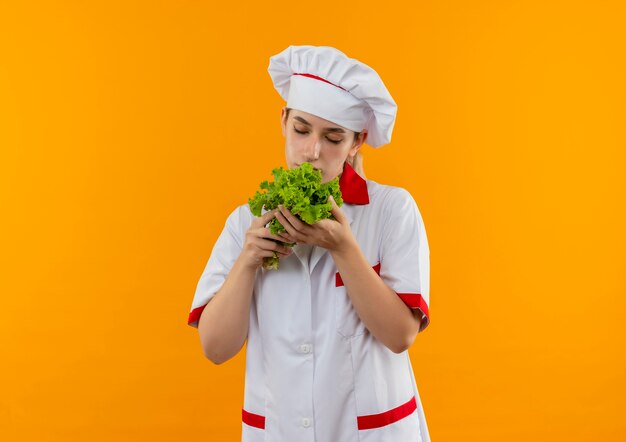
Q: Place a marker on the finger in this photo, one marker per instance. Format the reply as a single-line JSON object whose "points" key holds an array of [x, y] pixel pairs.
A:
{"points": [[284, 251], [288, 251], [336, 211], [297, 237], [265, 233], [269, 245], [291, 231], [265, 218], [287, 237], [295, 222]]}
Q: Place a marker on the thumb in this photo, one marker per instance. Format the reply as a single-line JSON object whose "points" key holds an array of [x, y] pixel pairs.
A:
{"points": [[336, 211]]}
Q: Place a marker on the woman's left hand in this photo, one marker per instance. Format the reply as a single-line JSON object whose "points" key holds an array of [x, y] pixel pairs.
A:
{"points": [[332, 235]]}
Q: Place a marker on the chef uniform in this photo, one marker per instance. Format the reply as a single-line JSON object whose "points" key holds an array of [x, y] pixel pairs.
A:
{"points": [[314, 373]]}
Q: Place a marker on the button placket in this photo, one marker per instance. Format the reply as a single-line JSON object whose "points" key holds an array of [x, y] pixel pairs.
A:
{"points": [[304, 416]]}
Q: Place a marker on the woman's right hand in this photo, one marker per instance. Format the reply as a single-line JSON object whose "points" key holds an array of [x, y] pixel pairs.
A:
{"points": [[258, 244]]}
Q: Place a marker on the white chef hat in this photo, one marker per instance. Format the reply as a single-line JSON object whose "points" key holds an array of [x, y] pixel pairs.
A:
{"points": [[323, 81]]}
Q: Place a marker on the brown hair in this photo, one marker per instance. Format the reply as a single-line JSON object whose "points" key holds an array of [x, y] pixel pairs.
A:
{"points": [[356, 162]]}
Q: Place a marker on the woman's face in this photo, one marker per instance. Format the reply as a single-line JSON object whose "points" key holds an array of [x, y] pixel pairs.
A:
{"points": [[323, 144]]}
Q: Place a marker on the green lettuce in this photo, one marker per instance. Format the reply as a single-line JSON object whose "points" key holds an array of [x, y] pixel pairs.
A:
{"points": [[299, 190]]}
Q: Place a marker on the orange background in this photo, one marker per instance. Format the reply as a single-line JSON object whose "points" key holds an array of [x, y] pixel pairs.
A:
{"points": [[129, 131]]}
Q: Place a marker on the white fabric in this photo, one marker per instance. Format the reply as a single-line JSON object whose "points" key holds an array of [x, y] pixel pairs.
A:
{"points": [[357, 98], [311, 365], [331, 103], [304, 251]]}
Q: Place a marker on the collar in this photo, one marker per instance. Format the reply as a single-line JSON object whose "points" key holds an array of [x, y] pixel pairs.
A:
{"points": [[353, 187]]}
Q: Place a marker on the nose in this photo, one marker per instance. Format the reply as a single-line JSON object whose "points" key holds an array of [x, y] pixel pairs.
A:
{"points": [[313, 146]]}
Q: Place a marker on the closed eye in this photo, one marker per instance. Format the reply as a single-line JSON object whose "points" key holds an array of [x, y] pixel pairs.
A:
{"points": [[306, 132]]}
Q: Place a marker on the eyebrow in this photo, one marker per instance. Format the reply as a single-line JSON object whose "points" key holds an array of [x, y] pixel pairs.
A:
{"points": [[329, 129]]}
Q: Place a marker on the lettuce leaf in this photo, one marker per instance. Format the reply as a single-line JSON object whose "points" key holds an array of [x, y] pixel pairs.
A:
{"points": [[302, 192]]}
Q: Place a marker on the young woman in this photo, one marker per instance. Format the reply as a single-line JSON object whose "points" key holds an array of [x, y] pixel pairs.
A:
{"points": [[328, 333]]}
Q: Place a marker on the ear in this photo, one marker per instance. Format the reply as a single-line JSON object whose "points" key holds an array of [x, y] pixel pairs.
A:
{"points": [[283, 122], [358, 143]]}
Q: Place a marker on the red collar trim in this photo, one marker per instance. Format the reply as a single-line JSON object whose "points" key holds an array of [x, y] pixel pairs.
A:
{"points": [[353, 186]]}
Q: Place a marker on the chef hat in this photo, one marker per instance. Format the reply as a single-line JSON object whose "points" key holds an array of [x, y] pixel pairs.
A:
{"points": [[323, 81]]}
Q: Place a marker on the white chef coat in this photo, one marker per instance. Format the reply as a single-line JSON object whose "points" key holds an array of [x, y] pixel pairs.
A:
{"points": [[313, 371]]}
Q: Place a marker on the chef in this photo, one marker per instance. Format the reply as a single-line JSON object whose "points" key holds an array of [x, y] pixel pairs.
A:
{"points": [[328, 332]]}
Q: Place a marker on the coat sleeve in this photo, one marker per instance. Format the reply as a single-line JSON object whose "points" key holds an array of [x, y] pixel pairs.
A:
{"points": [[223, 256], [405, 255]]}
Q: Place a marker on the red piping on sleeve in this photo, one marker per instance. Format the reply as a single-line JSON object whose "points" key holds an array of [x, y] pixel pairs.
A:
{"points": [[254, 420], [194, 316], [415, 300]]}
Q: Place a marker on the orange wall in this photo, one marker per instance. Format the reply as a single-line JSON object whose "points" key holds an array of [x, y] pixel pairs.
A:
{"points": [[129, 130]]}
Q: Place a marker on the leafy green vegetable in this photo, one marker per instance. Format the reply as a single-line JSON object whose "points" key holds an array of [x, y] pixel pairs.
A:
{"points": [[299, 190]]}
